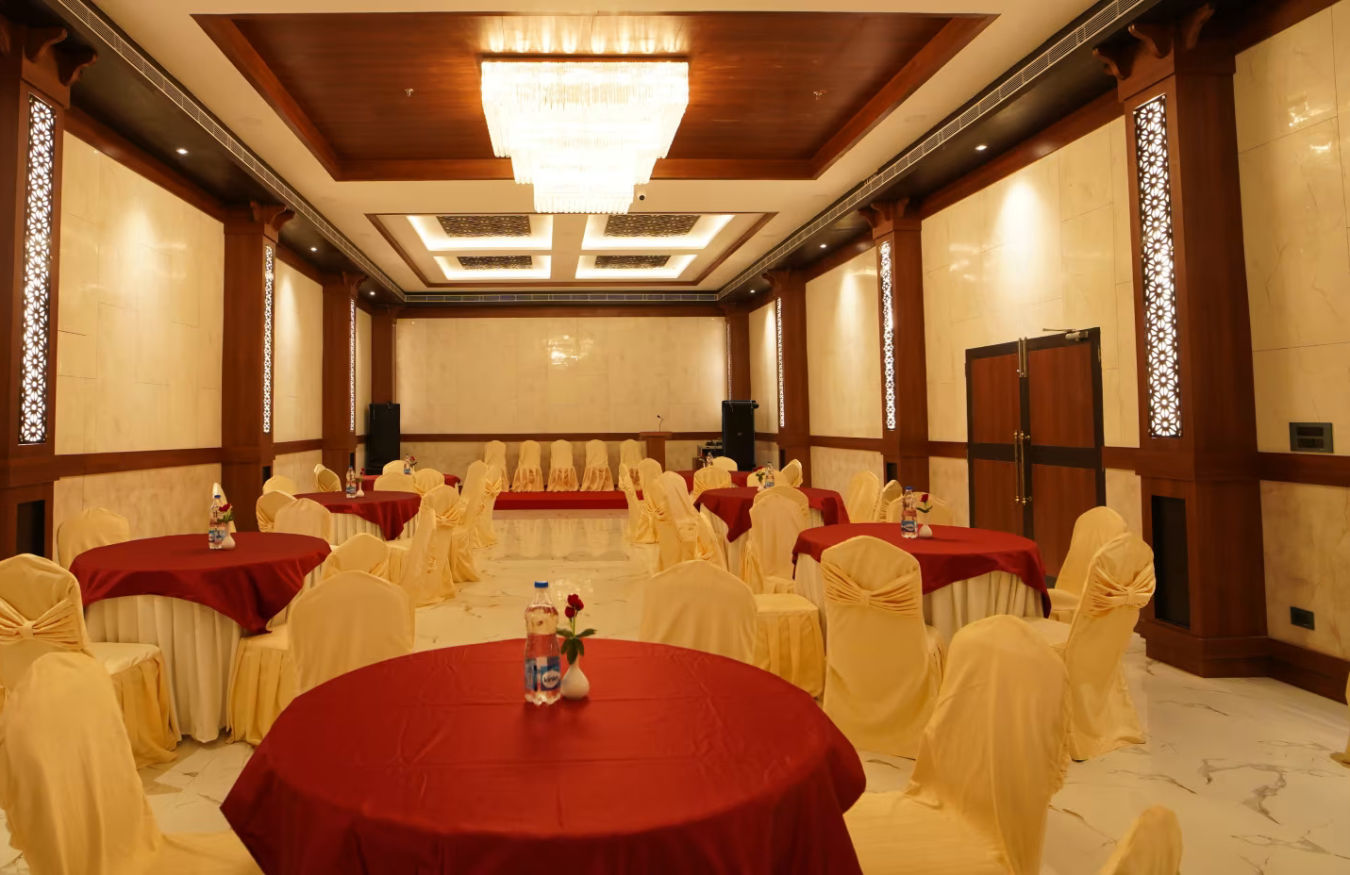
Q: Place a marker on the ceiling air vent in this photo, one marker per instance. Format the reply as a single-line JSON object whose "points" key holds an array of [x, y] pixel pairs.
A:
{"points": [[1310, 437]]}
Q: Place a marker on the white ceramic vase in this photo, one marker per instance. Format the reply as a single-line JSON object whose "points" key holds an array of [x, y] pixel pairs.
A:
{"points": [[228, 543], [575, 684], [925, 531]]}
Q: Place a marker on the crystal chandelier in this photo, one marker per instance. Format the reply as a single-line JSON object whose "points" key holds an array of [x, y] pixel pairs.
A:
{"points": [[584, 133]]}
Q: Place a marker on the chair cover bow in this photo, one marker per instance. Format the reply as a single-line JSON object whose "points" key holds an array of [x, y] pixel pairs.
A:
{"points": [[897, 596], [1109, 593], [59, 625]]}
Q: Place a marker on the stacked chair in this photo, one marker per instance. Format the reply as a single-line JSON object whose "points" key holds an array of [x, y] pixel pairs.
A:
{"points": [[562, 469], [529, 477], [861, 500], [597, 477], [1093, 528]]}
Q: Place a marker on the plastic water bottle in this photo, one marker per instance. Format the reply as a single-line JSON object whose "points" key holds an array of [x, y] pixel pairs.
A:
{"points": [[543, 657], [766, 480], [909, 515], [351, 482], [407, 466], [216, 528]]}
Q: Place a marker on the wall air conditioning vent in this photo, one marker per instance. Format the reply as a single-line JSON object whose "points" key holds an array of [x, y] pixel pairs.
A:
{"points": [[1310, 437]]}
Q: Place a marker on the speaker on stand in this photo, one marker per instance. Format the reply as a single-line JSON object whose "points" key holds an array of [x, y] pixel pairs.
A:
{"points": [[738, 432], [382, 436]]}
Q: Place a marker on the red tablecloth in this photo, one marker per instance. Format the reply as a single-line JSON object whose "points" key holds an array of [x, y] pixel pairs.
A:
{"points": [[388, 510], [738, 478], [677, 763], [733, 506], [953, 553], [247, 584], [368, 481]]}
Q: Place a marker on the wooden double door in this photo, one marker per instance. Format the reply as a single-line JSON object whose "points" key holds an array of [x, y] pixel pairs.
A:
{"points": [[1034, 427]]}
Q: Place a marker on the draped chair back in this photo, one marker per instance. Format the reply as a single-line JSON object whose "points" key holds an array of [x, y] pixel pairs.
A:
{"points": [[427, 479], [441, 499], [494, 482], [1091, 531], [889, 493], [473, 492], [791, 475], [92, 527], [939, 512], [73, 800], [326, 480], [529, 454], [647, 472], [361, 552], [630, 454], [562, 469], [494, 453], [528, 477], [280, 483], [395, 482], [267, 506], [597, 476], [394, 466], [726, 463], [710, 477], [636, 530], [1344, 758], [994, 751], [40, 612], [696, 537], [861, 500], [777, 516], [427, 575], [673, 511], [754, 478], [353, 620], [1151, 846], [874, 606], [697, 605], [304, 516], [894, 509]]}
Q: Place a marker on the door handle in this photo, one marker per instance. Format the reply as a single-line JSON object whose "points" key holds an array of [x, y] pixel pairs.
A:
{"points": [[1020, 439]]}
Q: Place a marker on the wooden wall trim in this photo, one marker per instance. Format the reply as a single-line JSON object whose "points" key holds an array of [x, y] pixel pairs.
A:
{"points": [[1310, 670], [304, 446], [545, 437], [947, 449], [842, 254], [544, 311], [1313, 468], [833, 442], [768, 436], [85, 464]]}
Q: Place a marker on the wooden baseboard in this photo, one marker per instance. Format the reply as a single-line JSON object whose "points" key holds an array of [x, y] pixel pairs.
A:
{"points": [[1310, 670]]}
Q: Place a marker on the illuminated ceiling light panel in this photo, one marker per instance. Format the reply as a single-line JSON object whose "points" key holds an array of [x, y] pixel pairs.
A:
{"points": [[434, 238], [673, 269], [454, 271], [583, 133], [705, 230]]}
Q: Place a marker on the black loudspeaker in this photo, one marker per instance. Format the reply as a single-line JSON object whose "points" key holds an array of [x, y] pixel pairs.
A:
{"points": [[382, 436], [738, 432]]}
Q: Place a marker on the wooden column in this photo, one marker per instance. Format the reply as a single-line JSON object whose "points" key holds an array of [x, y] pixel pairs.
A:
{"points": [[1197, 428], [247, 415], [788, 288], [738, 353], [904, 364], [339, 371], [382, 356], [37, 68]]}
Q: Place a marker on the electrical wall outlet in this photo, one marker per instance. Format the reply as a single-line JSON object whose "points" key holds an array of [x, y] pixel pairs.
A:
{"points": [[1302, 617]]}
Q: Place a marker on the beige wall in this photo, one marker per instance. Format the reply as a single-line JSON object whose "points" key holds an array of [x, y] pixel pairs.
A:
{"points": [[139, 341], [764, 368], [843, 350], [833, 468], [575, 374], [1295, 171], [300, 468], [297, 358]]}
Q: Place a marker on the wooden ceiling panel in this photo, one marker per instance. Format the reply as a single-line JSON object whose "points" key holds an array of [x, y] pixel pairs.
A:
{"points": [[772, 95]]}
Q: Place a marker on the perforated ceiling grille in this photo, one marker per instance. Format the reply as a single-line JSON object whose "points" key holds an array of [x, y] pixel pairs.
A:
{"points": [[646, 225], [485, 226], [613, 262], [496, 262]]}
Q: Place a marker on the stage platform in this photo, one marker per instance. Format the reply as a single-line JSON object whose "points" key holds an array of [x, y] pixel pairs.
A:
{"points": [[561, 501]]}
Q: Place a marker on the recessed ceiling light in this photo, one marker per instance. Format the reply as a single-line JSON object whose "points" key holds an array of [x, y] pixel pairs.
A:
{"points": [[752, 291], [181, 151], [372, 293], [824, 246], [313, 249], [981, 147]]}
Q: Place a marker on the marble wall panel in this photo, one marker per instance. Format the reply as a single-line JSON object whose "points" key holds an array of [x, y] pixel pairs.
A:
{"points": [[161, 501], [949, 480], [833, 468], [297, 359], [764, 368], [1307, 563], [843, 350], [300, 468], [1123, 495]]}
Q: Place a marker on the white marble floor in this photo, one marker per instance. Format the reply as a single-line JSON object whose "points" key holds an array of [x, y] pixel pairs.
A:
{"points": [[1245, 763]]}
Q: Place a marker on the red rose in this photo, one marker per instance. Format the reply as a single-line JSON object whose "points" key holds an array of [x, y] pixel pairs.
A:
{"points": [[570, 612], [575, 601]]}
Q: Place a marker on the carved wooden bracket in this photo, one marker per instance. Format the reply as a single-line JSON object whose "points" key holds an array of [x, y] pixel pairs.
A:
{"points": [[882, 216], [1154, 41], [272, 216], [782, 278]]}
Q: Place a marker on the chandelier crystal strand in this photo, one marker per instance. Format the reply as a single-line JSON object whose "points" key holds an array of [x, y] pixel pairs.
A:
{"points": [[583, 133]]}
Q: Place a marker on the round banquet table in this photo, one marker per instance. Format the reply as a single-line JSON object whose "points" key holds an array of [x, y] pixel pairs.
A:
{"points": [[368, 481], [387, 515], [738, 478], [968, 574], [728, 512], [194, 603], [433, 762]]}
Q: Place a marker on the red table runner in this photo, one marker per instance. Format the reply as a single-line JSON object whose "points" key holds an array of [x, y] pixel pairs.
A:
{"points": [[248, 584], [368, 481], [733, 506], [738, 478], [388, 510], [953, 553], [676, 763]]}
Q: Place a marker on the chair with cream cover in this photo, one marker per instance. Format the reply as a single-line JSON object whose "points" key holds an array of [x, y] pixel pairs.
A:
{"points": [[422, 567], [639, 529], [990, 759], [466, 513], [939, 512], [1120, 581], [791, 475], [267, 506], [395, 482], [681, 531], [494, 484], [528, 477], [326, 479], [889, 493], [777, 516], [707, 478], [597, 476], [41, 612], [494, 454], [726, 463], [1093, 528], [1344, 758], [280, 483], [883, 667], [647, 472], [361, 552], [755, 478], [394, 466], [72, 798], [562, 470], [351, 621], [92, 527], [861, 500], [657, 496], [698, 605], [1151, 846], [630, 454], [262, 681], [427, 479], [304, 516]]}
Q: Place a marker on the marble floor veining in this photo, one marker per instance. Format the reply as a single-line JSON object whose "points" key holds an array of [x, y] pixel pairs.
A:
{"points": [[1245, 763]]}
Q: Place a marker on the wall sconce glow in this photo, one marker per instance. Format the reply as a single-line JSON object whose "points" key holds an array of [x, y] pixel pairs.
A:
{"points": [[1162, 357], [888, 334], [37, 265], [269, 282], [778, 332], [351, 365]]}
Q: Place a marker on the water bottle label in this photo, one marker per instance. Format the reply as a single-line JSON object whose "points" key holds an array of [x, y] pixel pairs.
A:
{"points": [[909, 526], [543, 673]]}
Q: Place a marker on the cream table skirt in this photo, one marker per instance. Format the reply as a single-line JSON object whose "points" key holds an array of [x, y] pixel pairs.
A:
{"points": [[347, 524], [734, 551]]}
